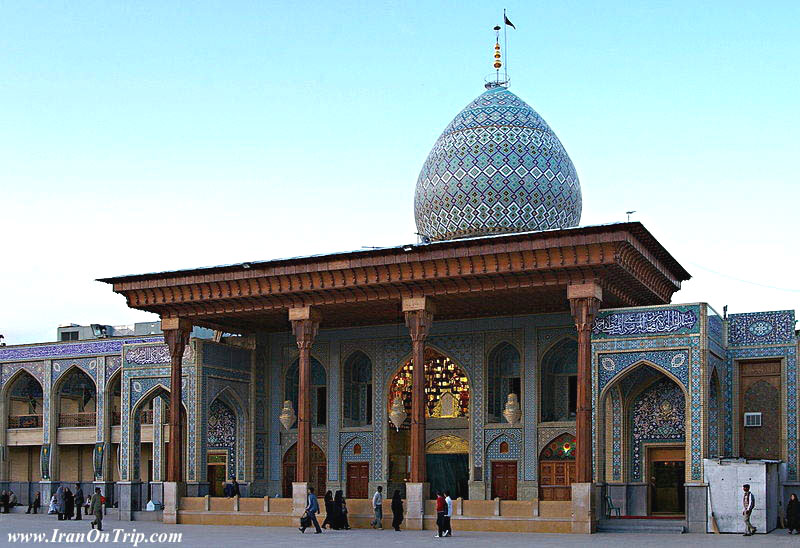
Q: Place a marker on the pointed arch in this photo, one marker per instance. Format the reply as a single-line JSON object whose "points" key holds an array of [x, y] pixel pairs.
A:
{"points": [[558, 373], [236, 455], [357, 396], [319, 389], [715, 416], [503, 377], [29, 411]]}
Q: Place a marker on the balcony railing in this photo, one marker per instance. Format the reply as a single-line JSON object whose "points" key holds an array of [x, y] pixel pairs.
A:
{"points": [[77, 419], [25, 421]]}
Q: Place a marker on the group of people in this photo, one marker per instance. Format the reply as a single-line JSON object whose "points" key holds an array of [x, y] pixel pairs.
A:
{"points": [[444, 513], [7, 500], [67, 504], [335, 511]]}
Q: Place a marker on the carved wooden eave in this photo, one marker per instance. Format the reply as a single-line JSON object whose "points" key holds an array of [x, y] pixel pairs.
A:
{"points": [[490, 276]]}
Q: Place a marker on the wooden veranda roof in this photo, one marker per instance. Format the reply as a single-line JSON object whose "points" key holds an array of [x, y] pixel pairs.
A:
{"points": [[499, 275]]}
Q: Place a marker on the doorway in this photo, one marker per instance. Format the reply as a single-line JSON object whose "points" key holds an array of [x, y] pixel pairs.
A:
{"points": [[215, 472], [667, 469], [319, 470], [357, 480], [448, 472], [504, 480]]}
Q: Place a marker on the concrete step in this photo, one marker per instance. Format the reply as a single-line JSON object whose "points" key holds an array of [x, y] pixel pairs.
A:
{"points": [[641, 526]]}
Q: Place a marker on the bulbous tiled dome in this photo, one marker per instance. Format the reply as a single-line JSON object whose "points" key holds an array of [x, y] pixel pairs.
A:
{"points": [[497, 168]]}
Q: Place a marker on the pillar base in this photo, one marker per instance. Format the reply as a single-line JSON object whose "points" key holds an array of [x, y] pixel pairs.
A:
{"points": [[196, 489], [697, 508], [477, 490], [47, 489], [173, 491], [129, 493], [584, 508], [416, 494], [299, 497]]}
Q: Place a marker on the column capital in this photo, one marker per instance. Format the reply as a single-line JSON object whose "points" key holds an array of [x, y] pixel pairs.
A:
{"points": [[178, 324], [584, 302], [414, 304], [419, 324], [305, 325]]}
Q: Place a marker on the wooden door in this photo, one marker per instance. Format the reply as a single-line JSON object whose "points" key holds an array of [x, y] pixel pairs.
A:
{"points": [[216, 478], [555, 478], [319, 478], [289, 471], [357, 480], [504, 480]]}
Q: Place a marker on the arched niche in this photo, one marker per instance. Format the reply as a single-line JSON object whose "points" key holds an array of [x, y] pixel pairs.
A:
{"points": [[559, 381], [503, 377], [319, 390], [357, 390]]}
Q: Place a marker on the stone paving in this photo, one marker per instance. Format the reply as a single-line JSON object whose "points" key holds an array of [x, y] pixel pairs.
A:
{"points": [[230, 537]]}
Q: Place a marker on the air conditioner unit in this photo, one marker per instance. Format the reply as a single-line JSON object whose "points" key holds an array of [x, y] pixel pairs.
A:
{"points": [[752, 419]]}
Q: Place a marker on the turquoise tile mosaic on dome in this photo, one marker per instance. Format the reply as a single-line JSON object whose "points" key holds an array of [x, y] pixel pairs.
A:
{"points": [[497, 168]]}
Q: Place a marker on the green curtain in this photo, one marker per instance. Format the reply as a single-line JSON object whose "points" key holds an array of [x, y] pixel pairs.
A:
{"points": [[448, 473]]}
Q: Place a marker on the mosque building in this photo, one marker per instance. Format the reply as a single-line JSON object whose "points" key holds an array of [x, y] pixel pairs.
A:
{"points": [[534, 368]]}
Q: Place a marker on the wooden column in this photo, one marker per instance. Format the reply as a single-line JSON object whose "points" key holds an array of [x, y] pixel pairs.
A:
{"points": [[584, 300], [419, 317], [176, 336], [305, 324]]}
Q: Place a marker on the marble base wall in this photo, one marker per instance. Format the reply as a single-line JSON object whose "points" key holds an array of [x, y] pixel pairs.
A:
{"points": [[477, 490], [416, 494], [696, 508], [129, 499], [197, 489]]}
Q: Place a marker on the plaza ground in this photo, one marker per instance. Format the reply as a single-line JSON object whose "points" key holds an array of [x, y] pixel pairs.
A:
{"points": [[215, 536]]}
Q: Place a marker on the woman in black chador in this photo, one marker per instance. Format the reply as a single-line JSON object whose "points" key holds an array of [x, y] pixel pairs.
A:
{"points": [[793, 514], [69, 501], [340, 511], [397, 510], [328, 511]]}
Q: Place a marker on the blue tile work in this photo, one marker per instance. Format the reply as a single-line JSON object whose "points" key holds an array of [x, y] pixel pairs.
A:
{"points": [[221, 432], [788, 353], [232, 388], [100, 399], [616, 434], [10, 370], [65, 350], [347, 442], [497, 167], [227, 356], [713, 417], [759, 328], [87, 365], [392, 354], [496, 436], [144, 369], [654, 347], [261, 409], [672, 320], [675, 362], [658, 415], [113, 363], [715, 327]]}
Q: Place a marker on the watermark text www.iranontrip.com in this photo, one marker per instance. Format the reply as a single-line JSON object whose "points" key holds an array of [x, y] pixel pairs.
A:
{"points": [[115, 536]]}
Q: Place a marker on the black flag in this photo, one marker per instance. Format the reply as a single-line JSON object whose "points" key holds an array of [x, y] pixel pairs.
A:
{"points": [[509, 23]]}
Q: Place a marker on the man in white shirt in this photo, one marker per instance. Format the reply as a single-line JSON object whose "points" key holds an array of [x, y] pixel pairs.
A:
{"points": [[448, 514], [377, 506], [748, 503]]}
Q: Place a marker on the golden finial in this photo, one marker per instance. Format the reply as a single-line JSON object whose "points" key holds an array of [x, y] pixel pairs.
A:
{"points": [[497, 62]]}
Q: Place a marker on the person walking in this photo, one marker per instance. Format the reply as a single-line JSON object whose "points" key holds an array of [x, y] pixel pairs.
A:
{"points": [[340, 511], [312, 509], [96, 508], [440, 512], [793, 514], [397, 510], [61, 502], [35, 504], [377, 507], [78, 501], [328, 499], [748, 504], [448, 525], [235, 490]]}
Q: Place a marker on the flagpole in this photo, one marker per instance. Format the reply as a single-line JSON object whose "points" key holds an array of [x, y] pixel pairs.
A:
{"points": [[505, 46]]}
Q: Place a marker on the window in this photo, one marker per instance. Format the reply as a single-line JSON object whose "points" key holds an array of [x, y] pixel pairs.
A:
{"points": [[357, 391], [559, 384], [503, 379], [752, 419], [318, 394], [69, 335], [503, 447]]}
